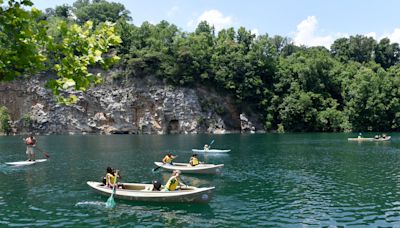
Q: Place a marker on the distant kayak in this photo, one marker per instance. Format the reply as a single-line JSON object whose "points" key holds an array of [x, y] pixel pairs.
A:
{"points": [[387, 138], [187, 168], [20, 163], [144, 192], [210, 151]]}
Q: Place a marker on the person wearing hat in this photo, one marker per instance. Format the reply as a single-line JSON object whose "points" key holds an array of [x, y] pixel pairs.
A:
{"points": [[173, 182]]}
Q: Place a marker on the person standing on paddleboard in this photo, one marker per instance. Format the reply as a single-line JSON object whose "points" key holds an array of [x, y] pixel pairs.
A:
{"points": [[30, 143]]}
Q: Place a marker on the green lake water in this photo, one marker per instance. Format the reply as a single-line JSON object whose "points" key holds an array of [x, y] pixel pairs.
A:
{"points": [[269, 180]]}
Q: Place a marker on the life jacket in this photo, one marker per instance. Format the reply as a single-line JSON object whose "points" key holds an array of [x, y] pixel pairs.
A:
{"points": [[110, 179], [167, 159], [30, 141], [172, 183], [194, 161]]}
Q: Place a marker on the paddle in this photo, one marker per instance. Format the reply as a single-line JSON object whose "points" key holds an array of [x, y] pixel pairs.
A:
{"points": [[183, 182], [110, 202], [155, 169], [45, 154], [211, 143]]}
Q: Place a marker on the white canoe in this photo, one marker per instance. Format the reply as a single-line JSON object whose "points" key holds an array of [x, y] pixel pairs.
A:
{"points": [[210, 151], [20, 163], [187, 168], [143, 192], [387, 138]]}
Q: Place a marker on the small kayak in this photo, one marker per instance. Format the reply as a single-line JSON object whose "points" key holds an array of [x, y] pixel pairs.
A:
{"points": [[387, 138], [210, 151], [144, 192], [20, 163], [187, 168]]}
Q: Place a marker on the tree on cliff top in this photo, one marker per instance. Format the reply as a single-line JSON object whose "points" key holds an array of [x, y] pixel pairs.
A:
{"points": [[29, 45]]}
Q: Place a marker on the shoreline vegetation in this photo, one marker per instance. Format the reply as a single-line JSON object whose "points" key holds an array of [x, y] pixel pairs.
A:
{"points": [[352, 87]]}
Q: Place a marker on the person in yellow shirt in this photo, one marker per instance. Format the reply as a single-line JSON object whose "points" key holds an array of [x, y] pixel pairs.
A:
{"points": [[110, 178], [168, 159], [173, 182], [194, 160]]}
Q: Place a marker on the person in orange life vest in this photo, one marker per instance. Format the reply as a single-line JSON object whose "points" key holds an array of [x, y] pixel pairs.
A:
{"points": [[30, 144]]}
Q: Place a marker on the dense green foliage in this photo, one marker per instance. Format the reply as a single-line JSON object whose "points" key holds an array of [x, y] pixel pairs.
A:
{"points": [[352, 86], [30, 43], [5, 127]]}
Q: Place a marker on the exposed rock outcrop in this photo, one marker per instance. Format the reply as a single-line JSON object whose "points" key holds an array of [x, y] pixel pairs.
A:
{"points": [[136, 106]]}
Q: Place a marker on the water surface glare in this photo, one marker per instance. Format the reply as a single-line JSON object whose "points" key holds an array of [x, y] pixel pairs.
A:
{"points": [[268, 180]]}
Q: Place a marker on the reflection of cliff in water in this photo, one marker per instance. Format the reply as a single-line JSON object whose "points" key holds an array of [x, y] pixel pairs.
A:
{"points": [[160, 214]]}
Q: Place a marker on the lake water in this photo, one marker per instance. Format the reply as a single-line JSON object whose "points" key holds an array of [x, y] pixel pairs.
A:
{"points": [[268, 180]]}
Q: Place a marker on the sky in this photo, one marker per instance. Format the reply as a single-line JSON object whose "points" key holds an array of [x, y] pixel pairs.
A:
{"points": [[307, 22]]}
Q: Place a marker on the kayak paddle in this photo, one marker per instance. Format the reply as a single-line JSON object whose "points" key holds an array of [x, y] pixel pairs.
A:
{"points": [[211, 143], [110, 202], [155, 169], [45, 154], [183, 182]]}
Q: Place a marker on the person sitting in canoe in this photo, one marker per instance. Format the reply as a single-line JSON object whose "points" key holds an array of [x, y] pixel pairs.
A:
{"points": [[110, 178], [156, 185], [173, 182], [194, 160], [206, 147], [168, 159]]}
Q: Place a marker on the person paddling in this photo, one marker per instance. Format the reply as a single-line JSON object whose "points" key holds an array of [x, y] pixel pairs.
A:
{"points": [[110, 178], [168, 159], [30, 144], [206, 147], [173, 182]]}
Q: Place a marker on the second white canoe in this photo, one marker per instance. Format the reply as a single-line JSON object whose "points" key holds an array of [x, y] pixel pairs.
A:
{"points": [[187, 168], [210, 151]]}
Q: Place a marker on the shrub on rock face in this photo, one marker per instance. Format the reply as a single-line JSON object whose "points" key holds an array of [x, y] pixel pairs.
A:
{"points": [[5, 126]]}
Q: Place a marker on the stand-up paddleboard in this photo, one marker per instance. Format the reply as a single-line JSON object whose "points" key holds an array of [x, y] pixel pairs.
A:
{"points": [[19, 163]]}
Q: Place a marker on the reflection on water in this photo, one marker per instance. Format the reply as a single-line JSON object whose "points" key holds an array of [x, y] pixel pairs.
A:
{"points": [[269, 180]]}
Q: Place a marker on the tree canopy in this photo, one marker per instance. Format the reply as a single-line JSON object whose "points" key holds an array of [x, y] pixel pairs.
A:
{"points": [[30, 44], [354, 85]]}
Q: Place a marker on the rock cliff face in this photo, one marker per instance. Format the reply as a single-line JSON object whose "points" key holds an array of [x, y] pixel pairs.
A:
{"points": [[136, 106]]}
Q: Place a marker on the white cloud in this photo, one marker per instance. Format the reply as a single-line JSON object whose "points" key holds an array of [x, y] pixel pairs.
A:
{"points": [[172, 12], [394, 36], [372, 35], [213, 17], [306, 34], [255, 32]]}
